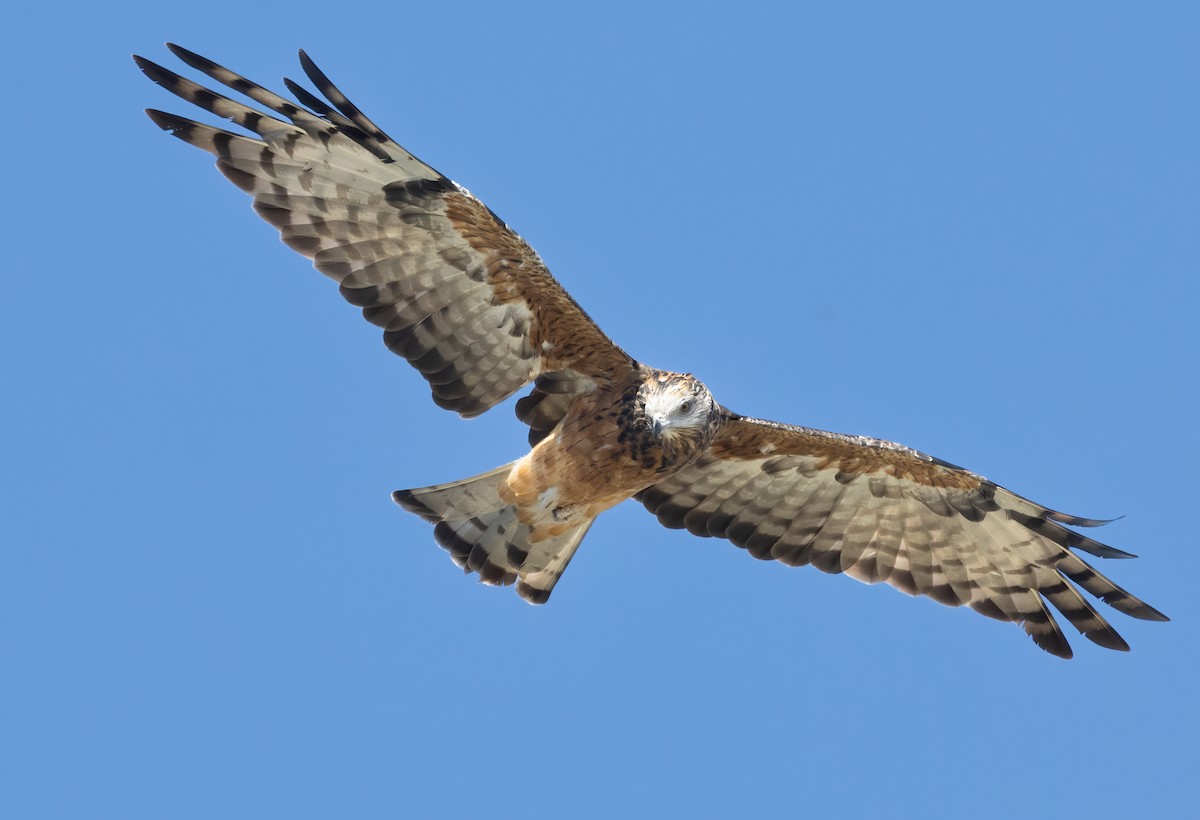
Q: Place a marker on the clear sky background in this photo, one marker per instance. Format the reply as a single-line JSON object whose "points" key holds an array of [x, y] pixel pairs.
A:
{"points": [[969, 227]]}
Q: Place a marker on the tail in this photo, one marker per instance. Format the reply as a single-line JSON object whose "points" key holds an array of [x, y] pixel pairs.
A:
{"points": [[482, 534]]}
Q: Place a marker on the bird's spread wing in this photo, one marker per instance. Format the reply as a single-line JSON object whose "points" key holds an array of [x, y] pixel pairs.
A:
{"points": [[879, 511], [458, 294]]}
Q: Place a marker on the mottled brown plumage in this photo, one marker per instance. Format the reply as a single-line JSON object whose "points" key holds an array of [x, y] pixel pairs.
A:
{"points": [[472, 307], [609, 445]]}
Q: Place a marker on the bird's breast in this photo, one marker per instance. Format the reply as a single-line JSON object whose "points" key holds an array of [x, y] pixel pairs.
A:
{"points": [[598, 456]]}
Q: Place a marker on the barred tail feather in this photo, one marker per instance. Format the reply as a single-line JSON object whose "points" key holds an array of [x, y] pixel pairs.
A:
{"points": [[483, 535]]}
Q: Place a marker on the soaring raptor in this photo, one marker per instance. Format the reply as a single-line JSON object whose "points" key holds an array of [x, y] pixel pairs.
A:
{"points": [[472, 307]]}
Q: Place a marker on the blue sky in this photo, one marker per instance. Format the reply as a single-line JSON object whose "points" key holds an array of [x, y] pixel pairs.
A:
{"points": [[966, 227]]}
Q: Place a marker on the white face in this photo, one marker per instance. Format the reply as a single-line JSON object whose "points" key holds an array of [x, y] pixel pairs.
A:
{"points": [[677, 405]]}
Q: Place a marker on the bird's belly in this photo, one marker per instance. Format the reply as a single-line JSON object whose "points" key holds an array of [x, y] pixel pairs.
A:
{"points": [[566, 481]]}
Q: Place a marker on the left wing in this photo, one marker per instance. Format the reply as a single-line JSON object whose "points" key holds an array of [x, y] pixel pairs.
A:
{"points": [[879, 511]]}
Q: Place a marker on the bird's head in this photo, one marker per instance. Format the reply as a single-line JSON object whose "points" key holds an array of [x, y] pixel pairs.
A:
{"points": [[678, 404]]}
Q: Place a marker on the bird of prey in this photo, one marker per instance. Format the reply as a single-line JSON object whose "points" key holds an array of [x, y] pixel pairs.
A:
{"points": [[473, 308]]}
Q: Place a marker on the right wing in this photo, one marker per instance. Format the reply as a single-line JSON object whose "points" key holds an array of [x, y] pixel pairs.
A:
{"points": [[458, 294]]}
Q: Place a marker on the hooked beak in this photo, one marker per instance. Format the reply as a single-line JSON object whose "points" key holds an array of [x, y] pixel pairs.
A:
{"points": [[656, 426]]}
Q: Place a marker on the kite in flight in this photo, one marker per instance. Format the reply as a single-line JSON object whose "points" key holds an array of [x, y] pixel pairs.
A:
{"points": [[472, 307]]}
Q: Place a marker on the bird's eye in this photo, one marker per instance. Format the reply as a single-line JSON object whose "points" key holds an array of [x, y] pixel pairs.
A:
{"points": [[685, 407]]}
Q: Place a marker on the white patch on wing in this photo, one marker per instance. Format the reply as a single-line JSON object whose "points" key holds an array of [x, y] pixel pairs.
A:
{"points": [[767, 449]]}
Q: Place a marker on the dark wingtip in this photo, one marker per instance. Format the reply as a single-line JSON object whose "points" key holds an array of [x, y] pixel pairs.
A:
{"points": [[310, 68], [164, 120], [193, 59], [295, 88], [1059, 649], [184, 54], [1077, 521], [1104, 550], [1150, 614], [157, 74], [150, 68], [1063, 652], [308, 98], [1108, 638]]}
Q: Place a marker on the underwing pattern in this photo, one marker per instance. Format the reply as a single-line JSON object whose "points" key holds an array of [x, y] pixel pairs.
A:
{"points": [[471, 306]]}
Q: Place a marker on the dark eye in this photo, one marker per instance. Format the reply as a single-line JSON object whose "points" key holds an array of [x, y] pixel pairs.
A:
{"points": [[685, 407]]}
